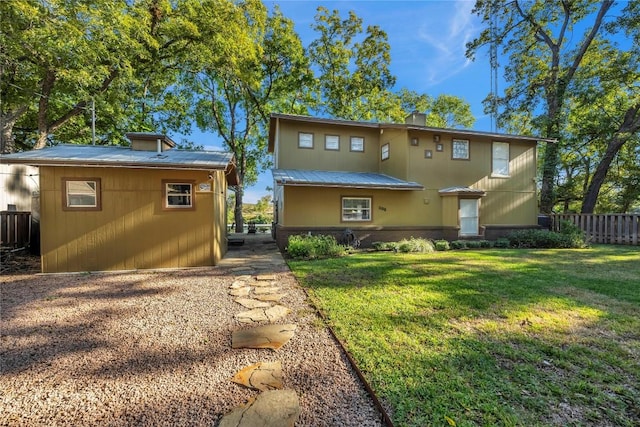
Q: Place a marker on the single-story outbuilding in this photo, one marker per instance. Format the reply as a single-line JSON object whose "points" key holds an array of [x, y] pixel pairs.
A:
{"points": [[121, 208]]}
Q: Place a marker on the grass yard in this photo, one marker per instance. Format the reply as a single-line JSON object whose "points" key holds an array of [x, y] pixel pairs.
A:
{"points": [[490, 337]]}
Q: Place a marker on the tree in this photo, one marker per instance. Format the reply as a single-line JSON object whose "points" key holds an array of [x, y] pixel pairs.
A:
{"points": [[266, 70], [445, 111], [354, 80], [544, 56]]}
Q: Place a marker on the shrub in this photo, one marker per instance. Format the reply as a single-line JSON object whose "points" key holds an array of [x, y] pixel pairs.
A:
{"points": [[486, 244], [501, 243], [441, 245], [572, 237], [474, 244], [415, 245], [313, 247], [385, 246], [459, 244]]}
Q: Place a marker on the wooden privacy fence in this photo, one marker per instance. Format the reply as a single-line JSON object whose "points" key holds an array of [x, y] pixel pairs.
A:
{"points": [[615, 229], [15, 228]]}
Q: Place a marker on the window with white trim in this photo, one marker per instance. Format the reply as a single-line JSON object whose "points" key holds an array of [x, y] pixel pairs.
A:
{"points": [[357, 143], [82, 194], [384, 152], [332, 142], [500, 159], [178, 195], [305, 140], [460, 149], [356, 208]]}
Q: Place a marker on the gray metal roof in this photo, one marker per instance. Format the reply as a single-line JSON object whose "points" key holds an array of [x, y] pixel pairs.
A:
{"points": [[460, 190], [312, 178], [115, 156]]}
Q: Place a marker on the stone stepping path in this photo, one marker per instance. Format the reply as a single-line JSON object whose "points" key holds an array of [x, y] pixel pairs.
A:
{"points": [[257, 315], [261, 376], [269, 336], [272, 408]]}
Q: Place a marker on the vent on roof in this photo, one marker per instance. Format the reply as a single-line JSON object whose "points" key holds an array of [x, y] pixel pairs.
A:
{"points": [[150, 142], [416, 118]]}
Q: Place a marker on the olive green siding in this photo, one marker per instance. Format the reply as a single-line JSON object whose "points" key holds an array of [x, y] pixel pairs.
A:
{"points": [[292, 157], [132, 230]]}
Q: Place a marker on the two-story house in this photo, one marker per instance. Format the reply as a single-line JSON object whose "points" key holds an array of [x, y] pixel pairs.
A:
{"points": [[389, 181]]}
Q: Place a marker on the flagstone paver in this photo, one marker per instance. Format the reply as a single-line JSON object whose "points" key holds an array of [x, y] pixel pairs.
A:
{"points": [[263, 277], [266, 290], [240, 292], [270, 297], [238, 284], [261, 376], [272, 408], [252, 303], [257, 315], [269, 336]]}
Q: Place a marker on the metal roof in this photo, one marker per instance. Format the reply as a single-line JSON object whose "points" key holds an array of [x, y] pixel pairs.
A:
{"points": [[453, 191], [313, 178], [116, 156]]}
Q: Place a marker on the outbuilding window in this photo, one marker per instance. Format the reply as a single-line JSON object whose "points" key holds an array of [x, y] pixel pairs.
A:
{"points": [[357, 143], [305, 140], [356, 209], [82, 194], [178, 195]]}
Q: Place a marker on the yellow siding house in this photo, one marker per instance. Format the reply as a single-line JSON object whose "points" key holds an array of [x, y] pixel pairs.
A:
{"points": [[389, 181], [146, 206]]}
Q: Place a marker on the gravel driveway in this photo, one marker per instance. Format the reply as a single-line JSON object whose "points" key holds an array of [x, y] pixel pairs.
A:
{"points": [[154, 348]]}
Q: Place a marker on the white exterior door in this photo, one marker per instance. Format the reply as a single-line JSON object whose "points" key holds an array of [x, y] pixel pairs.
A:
{"points": [[469, 217]]}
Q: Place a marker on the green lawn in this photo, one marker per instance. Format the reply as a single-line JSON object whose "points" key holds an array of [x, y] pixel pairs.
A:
{"points": [[490, 337]]}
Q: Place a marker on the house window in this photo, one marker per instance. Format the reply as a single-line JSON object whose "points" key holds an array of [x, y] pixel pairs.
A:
{"points": [[357, 143], [356, 209], [500, 159], [332, 142], [305, 140], [460, 149], [81, 194], [178, 195], [384, 154]]}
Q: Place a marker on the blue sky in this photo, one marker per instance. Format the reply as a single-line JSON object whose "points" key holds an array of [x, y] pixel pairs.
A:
{"points": [[427, 41]]}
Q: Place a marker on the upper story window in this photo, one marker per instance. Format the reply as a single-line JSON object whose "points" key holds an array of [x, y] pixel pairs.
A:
{"points": [[178, 195], [305, 140], [384, 151], [460, 149], [357, 143], [356, 208], [332, 142], [81, 194], [500, 159]]}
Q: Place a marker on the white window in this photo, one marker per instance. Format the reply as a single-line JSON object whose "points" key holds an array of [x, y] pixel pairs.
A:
{"points": [[460, 149], [500, 159], [357, 143], [178, 195], [305, 140], [331, 142], [356, 209], [81, 194], [384, 154]]}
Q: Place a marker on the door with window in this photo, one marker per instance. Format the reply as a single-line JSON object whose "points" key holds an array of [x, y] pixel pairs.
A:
{"points": [[469, 221]]}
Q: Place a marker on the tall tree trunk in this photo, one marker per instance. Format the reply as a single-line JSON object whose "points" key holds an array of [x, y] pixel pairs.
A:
{"points": [[7, 144], [630, 125], [237, 211]]}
